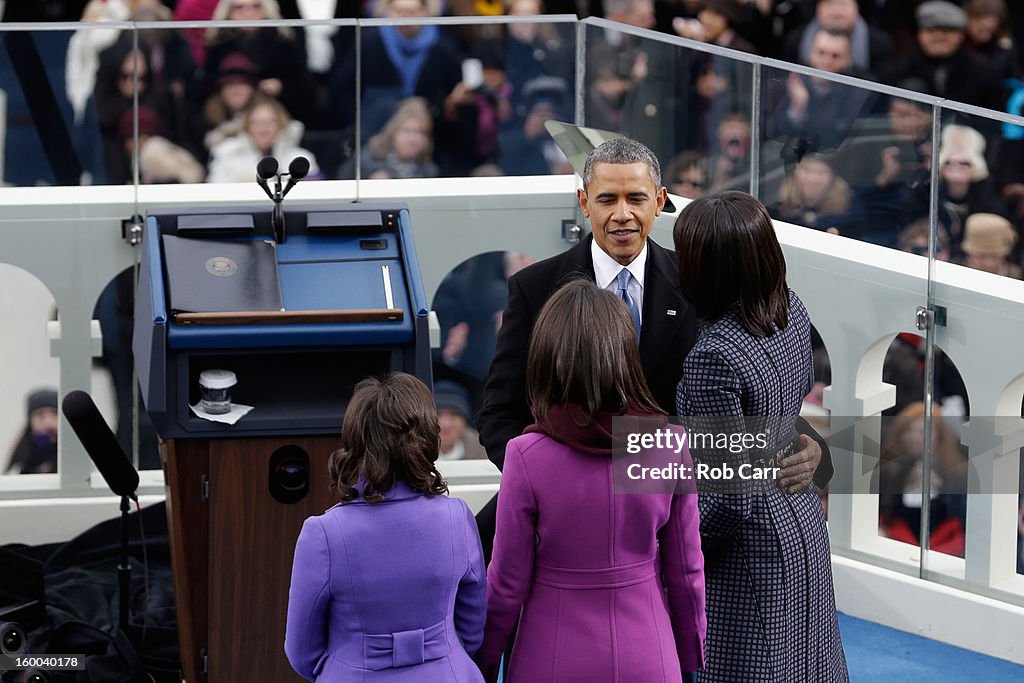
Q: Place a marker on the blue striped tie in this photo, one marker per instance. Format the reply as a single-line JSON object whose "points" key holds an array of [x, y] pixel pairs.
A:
{"points": [[634, 312]]}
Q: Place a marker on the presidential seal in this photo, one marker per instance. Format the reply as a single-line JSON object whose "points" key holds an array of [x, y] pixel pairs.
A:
{"points": [[221, 266]]}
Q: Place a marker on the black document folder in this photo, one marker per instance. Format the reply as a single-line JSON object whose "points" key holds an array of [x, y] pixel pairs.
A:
{"points": [[208, 276]]}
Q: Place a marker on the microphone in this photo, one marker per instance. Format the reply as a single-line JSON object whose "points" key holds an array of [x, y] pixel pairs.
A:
{"points": [[265, 170], [101, 444], [297, 170]]}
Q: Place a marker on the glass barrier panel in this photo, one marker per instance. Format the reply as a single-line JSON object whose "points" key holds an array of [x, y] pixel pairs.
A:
{"points": [[981, 193], [854, 163], [472, 102], [843, 159], [690, 107], [49, 296], [978, 220]]}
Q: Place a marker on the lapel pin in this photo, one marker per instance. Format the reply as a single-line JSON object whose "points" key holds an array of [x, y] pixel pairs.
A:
{"points": [[671, 311]]}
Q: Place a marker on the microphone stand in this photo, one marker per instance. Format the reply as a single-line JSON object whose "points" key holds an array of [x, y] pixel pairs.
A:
{"points": [[124, 570], [277, 216]]}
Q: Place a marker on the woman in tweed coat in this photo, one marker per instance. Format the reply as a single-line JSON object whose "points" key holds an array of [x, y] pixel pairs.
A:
{"points": [[770, 602]]}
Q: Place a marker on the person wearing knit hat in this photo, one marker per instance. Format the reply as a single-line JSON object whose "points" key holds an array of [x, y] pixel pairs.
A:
{"points": [[36, 449], [150, 123], [988, 241], [459, 441], [233, 91], [236, 68], [39, 400]]}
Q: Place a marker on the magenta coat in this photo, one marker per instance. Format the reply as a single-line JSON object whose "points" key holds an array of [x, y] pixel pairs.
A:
{"points": [[582, 563]]}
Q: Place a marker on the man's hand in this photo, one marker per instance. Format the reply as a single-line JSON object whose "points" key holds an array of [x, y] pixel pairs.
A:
{"points": [[796, 471]]}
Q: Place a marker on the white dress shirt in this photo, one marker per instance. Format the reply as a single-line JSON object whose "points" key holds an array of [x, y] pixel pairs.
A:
{"points": [[606, 269]]}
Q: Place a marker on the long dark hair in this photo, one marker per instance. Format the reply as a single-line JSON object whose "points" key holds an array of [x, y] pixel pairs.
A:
{"points": [[583, 351], [728, 255], [390, 432]]}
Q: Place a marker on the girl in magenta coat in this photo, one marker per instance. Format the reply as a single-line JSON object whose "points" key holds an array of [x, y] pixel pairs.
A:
{"points": [[607, 585]]}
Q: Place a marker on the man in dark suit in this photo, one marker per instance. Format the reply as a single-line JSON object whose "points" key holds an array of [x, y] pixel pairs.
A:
{"points": [[622, 195], [943, 64]]}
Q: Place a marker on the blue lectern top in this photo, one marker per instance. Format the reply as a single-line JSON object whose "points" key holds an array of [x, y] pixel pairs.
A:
{"points": [[299, 322]]}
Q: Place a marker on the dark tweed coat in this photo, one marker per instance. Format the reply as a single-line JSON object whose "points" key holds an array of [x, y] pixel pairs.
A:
{"points": [[770, 602]]}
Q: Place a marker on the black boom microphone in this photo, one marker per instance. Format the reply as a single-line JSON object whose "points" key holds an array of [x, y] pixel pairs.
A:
{"points": [[104, 450], [101, 444], [265, 170], [297, 170]]}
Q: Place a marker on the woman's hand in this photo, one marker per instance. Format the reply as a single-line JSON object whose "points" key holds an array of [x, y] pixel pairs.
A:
{"points": [[797, 470]]}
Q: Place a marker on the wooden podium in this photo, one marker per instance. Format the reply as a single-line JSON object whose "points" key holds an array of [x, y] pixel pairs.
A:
{"points": [[231, 552], [340, 300]]}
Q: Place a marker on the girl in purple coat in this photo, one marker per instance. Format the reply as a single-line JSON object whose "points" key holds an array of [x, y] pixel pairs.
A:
{"points": [[607, 585], [389, 584]]}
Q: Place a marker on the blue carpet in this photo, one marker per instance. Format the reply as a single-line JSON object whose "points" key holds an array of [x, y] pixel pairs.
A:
{"points": [[876, 653], [879, 653]]}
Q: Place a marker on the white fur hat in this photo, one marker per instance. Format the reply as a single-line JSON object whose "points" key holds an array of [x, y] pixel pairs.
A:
{"points": [[964, 141]]}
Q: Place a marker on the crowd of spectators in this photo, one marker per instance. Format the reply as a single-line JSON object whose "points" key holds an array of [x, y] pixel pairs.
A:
{"points": [[443, 100], [434, 100]]}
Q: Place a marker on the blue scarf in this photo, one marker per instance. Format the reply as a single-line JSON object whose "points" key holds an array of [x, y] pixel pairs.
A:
{"points": [[409, 54]]}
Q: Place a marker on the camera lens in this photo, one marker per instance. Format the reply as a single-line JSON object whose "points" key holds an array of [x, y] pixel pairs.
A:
{"points": [[12, 640], [288, 474], [291, 474]]}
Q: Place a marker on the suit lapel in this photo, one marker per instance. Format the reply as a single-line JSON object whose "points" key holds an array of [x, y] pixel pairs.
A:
{"points": [[664, 306], [577, 262]]}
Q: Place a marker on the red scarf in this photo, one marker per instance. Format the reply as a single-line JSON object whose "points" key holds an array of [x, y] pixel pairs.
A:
{"points": [[567, 425]]}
